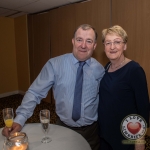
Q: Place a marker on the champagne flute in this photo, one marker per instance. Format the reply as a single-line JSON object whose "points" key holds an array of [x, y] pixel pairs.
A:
{"points": [[45, 119], [8, 117]]}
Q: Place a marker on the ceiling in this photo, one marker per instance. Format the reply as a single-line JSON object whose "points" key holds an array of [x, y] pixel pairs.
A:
{"points": [[15, 8]]}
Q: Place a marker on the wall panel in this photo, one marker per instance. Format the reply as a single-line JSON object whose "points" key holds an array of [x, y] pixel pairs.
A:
{"points": [[39, 45], [22, 52], [96, 13], [62, 26], [134, 17]]}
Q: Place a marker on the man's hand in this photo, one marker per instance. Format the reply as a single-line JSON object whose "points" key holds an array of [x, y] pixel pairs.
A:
{"points": [[15, 128]]}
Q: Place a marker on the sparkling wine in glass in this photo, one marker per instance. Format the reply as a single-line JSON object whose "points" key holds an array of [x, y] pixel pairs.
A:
{"points": [[8, 117], [45, 120]]}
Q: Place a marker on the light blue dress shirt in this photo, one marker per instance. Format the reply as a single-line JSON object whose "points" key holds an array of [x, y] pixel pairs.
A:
{"points": [[60, 74]]}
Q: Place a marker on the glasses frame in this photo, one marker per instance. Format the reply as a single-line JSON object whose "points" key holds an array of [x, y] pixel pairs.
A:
{"points": [[115, 43]]}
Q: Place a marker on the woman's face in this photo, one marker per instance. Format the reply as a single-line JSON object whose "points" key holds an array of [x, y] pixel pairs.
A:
{"points": [[114, 46]]}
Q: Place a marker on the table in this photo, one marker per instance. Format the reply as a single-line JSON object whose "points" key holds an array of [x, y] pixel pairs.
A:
{"points": [[62, 138]]}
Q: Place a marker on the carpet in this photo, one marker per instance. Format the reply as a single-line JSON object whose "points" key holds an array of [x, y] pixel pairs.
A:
{"points": [[15, 100]]}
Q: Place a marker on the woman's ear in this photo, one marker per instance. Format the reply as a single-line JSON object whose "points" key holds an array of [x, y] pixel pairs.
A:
{"points": [[125, 47]]}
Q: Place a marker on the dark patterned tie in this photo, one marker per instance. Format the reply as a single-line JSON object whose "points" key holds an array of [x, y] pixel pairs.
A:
{"points": [[78, 93]]}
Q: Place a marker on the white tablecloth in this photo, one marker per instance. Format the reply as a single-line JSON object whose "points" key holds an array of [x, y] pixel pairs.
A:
{"points": [[62, 138]]}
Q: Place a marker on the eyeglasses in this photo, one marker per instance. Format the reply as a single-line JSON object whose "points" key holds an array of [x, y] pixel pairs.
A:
{"points": [[115, 43]]}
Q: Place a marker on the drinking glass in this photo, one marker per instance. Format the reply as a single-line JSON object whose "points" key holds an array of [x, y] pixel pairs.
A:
{"points": [[8, 117], [45, 120]]}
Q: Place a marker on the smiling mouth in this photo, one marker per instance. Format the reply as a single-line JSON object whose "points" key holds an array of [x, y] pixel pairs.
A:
{"points": [[82, 51], [113, 52]]}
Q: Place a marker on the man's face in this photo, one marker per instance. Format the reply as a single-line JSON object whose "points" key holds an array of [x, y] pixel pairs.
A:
{"points": [[83, 44]]}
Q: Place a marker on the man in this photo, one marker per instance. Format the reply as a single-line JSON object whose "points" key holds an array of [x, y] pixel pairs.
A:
{"points": [[60, 73]]}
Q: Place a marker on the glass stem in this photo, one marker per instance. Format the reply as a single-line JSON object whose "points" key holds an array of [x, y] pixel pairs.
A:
{"points": [[4, 143], [45, 133]]}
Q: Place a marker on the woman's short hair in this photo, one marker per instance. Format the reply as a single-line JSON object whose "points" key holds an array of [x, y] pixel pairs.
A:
{"points": [[116, 29], [86, 27]]}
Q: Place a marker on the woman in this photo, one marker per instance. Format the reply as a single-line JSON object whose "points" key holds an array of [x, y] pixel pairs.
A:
{"points": [[123, 92]]}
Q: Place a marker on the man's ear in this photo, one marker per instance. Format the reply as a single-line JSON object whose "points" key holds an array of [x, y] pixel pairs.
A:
{"points": [[95, 45], [72, 40]]}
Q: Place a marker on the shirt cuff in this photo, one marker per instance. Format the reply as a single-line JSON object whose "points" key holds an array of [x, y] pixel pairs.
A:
{"points": [[20, 120]]}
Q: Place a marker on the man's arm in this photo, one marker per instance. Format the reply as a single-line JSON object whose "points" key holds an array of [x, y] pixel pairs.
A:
{"points": [[33, 96], [37, 91]]}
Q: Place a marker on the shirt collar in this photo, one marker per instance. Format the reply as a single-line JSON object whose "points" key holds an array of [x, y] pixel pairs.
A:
{"points": [[75, 61]]}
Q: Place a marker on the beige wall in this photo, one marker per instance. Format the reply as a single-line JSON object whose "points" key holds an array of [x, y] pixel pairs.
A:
{"points": [[14, 68], [8, 66], [14, 65]]}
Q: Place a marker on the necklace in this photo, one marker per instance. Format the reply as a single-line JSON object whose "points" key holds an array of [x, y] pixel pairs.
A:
{"points": [[118, 65]]}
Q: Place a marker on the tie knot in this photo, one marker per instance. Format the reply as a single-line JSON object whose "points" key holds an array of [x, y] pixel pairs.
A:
{"points": [[81, 63]]}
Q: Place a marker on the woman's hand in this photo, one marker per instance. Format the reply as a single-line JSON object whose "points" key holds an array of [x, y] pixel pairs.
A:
{"points": [[140, 145]]}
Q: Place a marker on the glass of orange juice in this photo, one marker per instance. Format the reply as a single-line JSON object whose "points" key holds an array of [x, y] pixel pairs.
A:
{"points": [[8, 116]]}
